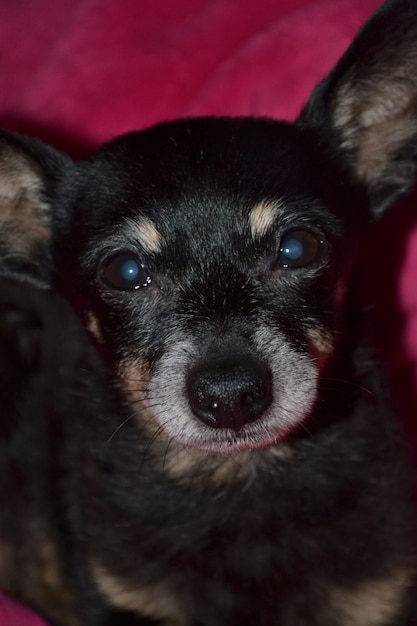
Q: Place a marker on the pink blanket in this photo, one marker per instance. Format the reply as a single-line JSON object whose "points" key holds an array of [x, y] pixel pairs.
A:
{"points": [[12, 614], [78, 72]]}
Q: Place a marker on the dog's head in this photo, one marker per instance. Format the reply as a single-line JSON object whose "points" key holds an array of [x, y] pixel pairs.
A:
{"points": [[209, 256], [205, 263]]}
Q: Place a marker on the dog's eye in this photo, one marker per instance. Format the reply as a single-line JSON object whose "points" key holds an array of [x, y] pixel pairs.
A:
{"points": [[124, 271], [299, 248]]}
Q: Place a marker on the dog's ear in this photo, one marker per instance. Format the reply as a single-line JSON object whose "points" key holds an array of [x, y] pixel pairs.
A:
{"points": [[365, 112], [30, 174]]}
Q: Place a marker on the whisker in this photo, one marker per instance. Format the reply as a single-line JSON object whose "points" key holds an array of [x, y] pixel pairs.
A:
{"points": [[304, 427], [150, 443], [166, 454], [348, 383], [114, 433], [136, 413]]}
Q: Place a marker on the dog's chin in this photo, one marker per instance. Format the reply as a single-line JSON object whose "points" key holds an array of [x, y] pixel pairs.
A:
{"points": [[233, 446], [225, 442]]}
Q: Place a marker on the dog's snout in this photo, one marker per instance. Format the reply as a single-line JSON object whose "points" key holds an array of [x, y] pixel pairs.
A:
{"points": [[229, 393]]}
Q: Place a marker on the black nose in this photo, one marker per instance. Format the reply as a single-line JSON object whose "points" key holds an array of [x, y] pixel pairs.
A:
{"points": [[229, 393]]}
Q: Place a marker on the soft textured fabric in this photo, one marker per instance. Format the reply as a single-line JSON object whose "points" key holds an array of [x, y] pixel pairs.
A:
{"points": [[13, 614], [91, 69], [78, 72]]}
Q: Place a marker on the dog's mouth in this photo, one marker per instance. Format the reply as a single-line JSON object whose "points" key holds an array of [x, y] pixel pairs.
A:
{"points": [[270, 429], [229, 442], [234, 403]]}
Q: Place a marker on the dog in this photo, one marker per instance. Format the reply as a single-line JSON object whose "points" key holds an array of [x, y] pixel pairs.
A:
{"points": [[46, 361], [229, 454]]}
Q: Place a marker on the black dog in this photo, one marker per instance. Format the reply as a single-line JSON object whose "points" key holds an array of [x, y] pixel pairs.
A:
{"points": [[246, 468], [51, 384]]}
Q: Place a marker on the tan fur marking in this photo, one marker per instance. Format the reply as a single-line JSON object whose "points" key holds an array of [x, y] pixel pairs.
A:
{"points": [[376, 115], [148, 235], [24, 215], [93, 326], [135, 377], [32, 573], [321, 346], [374, 603], [322, 340], [187, 465], [53, 596], [157, 602], [183, 464], [262, 217], [381, 144]]}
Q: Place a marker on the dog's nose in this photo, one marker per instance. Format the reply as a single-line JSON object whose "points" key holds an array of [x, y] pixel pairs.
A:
{"points": [[231, 393]]}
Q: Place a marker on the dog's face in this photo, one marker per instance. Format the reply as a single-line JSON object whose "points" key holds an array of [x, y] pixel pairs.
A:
{"points": [[209, 256], [209, 265]]}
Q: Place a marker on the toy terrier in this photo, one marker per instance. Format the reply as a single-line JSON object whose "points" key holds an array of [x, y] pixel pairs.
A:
{"points": [[232, 457]]}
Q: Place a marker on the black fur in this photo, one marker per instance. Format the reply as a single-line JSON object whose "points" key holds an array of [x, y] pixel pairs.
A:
{"points": [[228, 452]]}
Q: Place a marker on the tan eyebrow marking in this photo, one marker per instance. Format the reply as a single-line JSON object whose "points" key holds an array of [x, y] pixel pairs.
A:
{"points": [[147, 233], [262, 217], [322, 340]]}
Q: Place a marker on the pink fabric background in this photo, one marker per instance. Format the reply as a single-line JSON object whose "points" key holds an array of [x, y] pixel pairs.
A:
{"points": [[78, 72]]}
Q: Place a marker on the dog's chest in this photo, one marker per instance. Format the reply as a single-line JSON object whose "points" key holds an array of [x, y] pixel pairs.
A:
{"points": [[217, 556]]}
